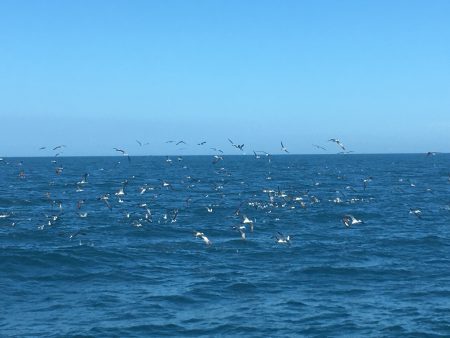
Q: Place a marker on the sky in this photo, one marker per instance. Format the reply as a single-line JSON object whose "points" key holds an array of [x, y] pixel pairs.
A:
{"points": [[94, 75]]}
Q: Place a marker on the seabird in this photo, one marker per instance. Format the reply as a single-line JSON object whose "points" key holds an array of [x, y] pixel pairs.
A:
{"points": [[281, 239], [366, 180], [142, 144], [237, 146], [283, 148], [201, 235], [338, 142], [79, 232], [246, 220], [174, 216], [350, 220], [241, 229], [105, 199], [124, 153], [83, 179], [217, 158], [319, 147], [416, 212]]}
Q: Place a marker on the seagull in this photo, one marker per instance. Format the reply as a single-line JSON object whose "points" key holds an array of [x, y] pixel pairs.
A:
{"points": [[217, 158], [79, 232], [167, 185], [42, 148], [339, 143], [121, 191], [59, 147], [283, 148], [142, 144], [180, 142], [241, 229], [319, 147], [80, 203], [201, 143], [203, 237], [416, 212], [105, 199], [59, 170], [121, 151], [246, 220], [281, 239], [84, 179], [350, 220], [215, 149], [174, 217], [143, 189], [366, 180], [262, 152], [124, 153], [237, 146]]}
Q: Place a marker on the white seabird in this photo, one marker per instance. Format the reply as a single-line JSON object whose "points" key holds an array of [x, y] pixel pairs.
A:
{"points": [[350, 220], [201, 235]]}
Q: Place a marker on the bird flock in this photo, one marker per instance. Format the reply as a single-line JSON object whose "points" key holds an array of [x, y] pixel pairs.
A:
{"points": [[137, 207]]}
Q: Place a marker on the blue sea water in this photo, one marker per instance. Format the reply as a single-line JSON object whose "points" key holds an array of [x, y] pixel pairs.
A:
{"points": [[137, 270]]}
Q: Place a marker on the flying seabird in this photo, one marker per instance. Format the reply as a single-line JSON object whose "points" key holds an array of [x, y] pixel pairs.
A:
{"points": [[123, 152], [338, 142], [366, 180], [215, 149], [241, 229], [201, 235], [59, 147], [237, 146], [350, 220], [84, 179], [319, 147], [281, 239], [105, 199], [217, 158], [246, 220], [283, 148]]}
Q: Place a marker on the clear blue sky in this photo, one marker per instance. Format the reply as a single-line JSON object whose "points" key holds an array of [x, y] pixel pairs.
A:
{"points": [[100, 74]]}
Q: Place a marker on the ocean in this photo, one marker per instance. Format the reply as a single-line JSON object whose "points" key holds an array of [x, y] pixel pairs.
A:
{"points": [[80, 259]]}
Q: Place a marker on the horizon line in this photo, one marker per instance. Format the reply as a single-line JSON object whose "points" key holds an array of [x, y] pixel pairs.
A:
{"points": [[252, 155]]}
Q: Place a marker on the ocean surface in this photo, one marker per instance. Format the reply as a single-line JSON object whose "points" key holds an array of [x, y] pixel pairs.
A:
{"points": [[77, 262]]}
